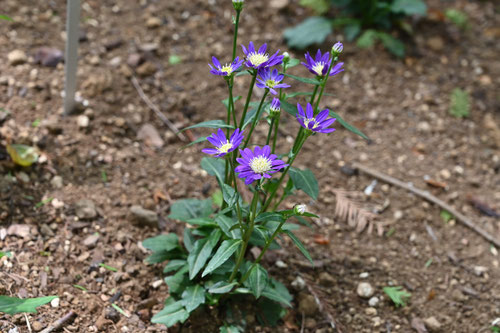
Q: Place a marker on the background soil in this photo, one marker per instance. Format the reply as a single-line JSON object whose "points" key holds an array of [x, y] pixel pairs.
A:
{"points": [[452, 273]]}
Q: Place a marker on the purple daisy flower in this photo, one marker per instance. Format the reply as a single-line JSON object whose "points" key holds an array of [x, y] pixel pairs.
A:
{"points": [[270, 80], [222, 144], [258, 164], [275, 106], [227, 69], [320, 64], [259, 59], [316, 124]]}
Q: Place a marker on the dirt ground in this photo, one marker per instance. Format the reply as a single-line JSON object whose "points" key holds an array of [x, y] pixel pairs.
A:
{"points": [[106, 156]]}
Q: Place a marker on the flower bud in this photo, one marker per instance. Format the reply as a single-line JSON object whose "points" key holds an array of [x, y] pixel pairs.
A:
{"points": [[337, 49], [238, 4], [300, 209], [275, 106], [286, 57]]}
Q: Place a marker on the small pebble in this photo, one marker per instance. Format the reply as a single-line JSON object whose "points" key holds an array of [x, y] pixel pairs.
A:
{"points": [[364, 290], [373, 301], [55, 302]]}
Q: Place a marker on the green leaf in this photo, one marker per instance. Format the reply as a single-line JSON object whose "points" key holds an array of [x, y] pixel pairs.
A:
{"points": [[174, 265], [266, 217], [269, 312], [319, 6], [276, 291], [351, 31], [201, 252], [226, 249], [120, 310], [203, 222], [209, 124], [13, 305], [226, 224], [159, 243], [367, 39], [188, 239], [193, 297], [306, 181], [292, 63], [176, 283], [231, 329], [446, 216], [187, 209], [214, 167], [200, 139], [222, 287], [303, 79], [394, 45], [217, 198], [348, 126], [409, 7], [5, 17], [299, 244], [7, 254], [257, 280], [171, 315], [174, 59], [459, 103], [109, 268], [397, 295], [226, 101], [312, 30], [230, 195], [160, 256], [457, 17], [22, 155]]}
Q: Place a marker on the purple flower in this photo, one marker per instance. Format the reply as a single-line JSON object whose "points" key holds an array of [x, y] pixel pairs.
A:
{"points": [[320, 64], [312, 123], [258, 164], [275, 106], [270, 80], [223, 145], [227, 69], [260, 59]]}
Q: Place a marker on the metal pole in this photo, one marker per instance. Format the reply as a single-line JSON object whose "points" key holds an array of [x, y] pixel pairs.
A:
{"points": [[71, 60]]}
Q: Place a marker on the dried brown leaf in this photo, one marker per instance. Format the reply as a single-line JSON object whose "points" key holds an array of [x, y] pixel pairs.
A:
{"points": [[348, 210]]}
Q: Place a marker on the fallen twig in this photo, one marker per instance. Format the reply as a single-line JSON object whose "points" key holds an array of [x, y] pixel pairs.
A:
{"points": [[157, 111], [429, 197], [60, 322]]}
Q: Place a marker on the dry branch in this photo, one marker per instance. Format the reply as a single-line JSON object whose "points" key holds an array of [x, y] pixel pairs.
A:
{"points": [[60, 322], [157, 111], [429, 197]]}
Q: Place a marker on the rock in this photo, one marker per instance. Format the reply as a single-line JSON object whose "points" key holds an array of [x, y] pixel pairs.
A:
{"points": [[149, 47], [371, 311], [146, 69], [432, 324], [83, 121], [16, 57], [150, 136], [23, 176], [55, 302], [281, 264], [57, 182], [97, 83], [423, 126], [91, 240], [115, 62], [46, 231], [112, 314], [37, 326], [326, 280], [20, 230], [373, 301], [279, 4], [48, 56], [134, 60], [85, 209], [156, 284], [364, 290], [113, 44], [307, 304], [299, 283], [144, 216], [364, 275], [435, 43], [153, 22]]}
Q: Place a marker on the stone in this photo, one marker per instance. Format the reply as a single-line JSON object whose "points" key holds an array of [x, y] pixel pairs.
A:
{"points": [[45, 230], [20, 230], [364, 290], [371, 311], [85, 209], [91, 240], [150, 136], [55, 302], [144, 216], [134, 60], [153, 22], [23, 176], [83, 121], [432, 324], [307, 304], [37, 326], [435, 43], [16, 57], [146, 69], [326, 280], [57, 182], [299, 283], [373, 301], [48, 56], [279, 4]]}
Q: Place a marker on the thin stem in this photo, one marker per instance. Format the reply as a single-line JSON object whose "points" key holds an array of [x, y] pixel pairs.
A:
{"points": [[236, 23], [249, 96], [313, 95], [255, 119], [238, 209], [231, 103], [323, 84], [276, 131], [271, 126]]}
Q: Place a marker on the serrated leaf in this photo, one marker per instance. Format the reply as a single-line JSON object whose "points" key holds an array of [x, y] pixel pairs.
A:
{"points": [[303, 79], [187, 209], [226, 223], [397, 295], [226, 249], [409, 7], [459, 103], [174, 265], [348, 126], [299, 244], [22, 155], [159, 243], [222, 287], [214, 167], [171, 315], [201, 252], [209, 124], [13, 305], [306, 181], [312, 30], [193, 297], [257, 280]]}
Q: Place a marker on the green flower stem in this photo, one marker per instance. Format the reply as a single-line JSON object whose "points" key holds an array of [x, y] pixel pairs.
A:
{"points": [[255, 119], [238, 209], [246, 236], [236, 23], [276, 132], [313, 96], [290, 162], [271, 126], [249, 96], [231, 104]]}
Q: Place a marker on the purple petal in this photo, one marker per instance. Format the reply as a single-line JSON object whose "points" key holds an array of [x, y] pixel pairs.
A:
{"points": [[251, 48], [309, 111], [216, 62], [210, 151], [263, 48], [322, 115]]}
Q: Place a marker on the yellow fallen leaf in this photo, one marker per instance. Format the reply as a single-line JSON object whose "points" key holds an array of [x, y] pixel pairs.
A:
{"points": [[22, 155]]}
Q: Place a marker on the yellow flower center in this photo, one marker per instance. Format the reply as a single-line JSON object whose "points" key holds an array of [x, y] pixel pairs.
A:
{"points": [[271, 83], [260, 164], [308, 120], [227, 69], [318, 68], [225, 148], [257, 58]]}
